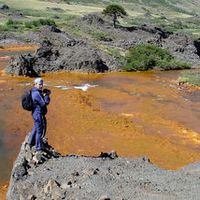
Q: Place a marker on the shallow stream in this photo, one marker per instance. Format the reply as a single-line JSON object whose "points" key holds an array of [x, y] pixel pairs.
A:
{"points": [[135, 114]]}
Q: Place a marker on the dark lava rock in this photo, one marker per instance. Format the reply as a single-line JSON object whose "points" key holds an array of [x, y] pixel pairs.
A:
{"points": [[80, 177], [155, 30], [58, 51], [23, 66], [111, 155], [197, 45], [4, 7], [183, 47], [93, 19]]}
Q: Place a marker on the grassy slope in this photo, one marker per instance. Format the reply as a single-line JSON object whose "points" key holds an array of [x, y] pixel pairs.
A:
{"points": [[170, 14], [79, 7], [42, 5], [173, 15]]}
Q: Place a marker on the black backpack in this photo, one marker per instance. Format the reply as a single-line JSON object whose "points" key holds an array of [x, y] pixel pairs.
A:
{"points": [[27, 102]]}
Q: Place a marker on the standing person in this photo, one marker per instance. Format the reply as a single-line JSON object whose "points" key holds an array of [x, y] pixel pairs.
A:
{"points": [[40, 101]]}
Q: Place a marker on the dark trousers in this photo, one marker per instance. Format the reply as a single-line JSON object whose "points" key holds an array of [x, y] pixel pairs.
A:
{"points": [[38, 131], [44, 121]]}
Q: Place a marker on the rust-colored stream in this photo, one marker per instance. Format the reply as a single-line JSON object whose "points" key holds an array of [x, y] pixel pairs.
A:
{"points": [[136, 114]]}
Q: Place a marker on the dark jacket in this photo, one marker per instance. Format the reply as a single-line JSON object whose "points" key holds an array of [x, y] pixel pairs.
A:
{"points": [[40, 102]]}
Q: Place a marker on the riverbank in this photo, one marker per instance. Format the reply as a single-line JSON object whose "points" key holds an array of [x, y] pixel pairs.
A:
{"points": [[51, 176]]}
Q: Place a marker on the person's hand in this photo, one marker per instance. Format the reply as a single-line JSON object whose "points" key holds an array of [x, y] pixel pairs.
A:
{"points": [[46, 92]]}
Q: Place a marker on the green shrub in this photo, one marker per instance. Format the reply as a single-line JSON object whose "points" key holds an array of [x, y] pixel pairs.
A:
{"points": [[47, 22], [190, 77], [114, 52], [147, 56], [11, 25], [101, 36], [28, 24], [10, 22], [38, 23], [3, 28]]}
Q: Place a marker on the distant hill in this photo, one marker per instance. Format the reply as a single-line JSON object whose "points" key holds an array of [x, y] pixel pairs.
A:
{"points": [[173, 15], [180, 6]]}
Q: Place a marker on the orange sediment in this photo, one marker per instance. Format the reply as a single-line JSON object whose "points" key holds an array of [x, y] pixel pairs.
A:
{"points": [[78, 124], [83, 128], [23, 47], [3, 191]]}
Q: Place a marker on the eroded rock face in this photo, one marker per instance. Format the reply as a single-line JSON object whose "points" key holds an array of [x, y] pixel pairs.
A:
{"points": [[48, 175], [58, 51], [23, 66], [183, 47]]}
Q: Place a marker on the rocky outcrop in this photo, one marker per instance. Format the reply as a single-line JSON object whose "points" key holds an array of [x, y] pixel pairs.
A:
{"points": [[48, 175], [181, 45], [58, 51], [93, 19], [28, 158], [4, 7], [23, 66]]}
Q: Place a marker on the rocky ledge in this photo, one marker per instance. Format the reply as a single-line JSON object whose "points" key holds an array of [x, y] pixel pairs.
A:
{"points": [[48, 175]]}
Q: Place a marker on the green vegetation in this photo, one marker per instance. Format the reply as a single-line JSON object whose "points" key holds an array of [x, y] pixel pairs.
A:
{"points": [[173, 15], [40, 22], [148, 57], [115, 52], [190, 77], [101, 36], [11, 25], [16, 25], [114, 11]]}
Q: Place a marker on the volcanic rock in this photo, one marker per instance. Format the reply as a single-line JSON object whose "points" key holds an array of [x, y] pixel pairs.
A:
{"points": [[4, 7], [58, 51], [104, 177]]}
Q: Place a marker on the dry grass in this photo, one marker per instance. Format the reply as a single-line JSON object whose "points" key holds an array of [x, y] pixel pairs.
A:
{"points": [[40, 5], [133, 9]]}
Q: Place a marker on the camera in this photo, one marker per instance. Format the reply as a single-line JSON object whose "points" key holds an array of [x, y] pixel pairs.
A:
{"points": [[46, 91]]}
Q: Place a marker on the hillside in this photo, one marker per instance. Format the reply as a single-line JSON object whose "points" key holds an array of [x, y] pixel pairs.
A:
{"points": [[171, 14]]}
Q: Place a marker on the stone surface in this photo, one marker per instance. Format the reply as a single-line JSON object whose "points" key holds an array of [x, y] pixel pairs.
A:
{"points": [[104, 177]]}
